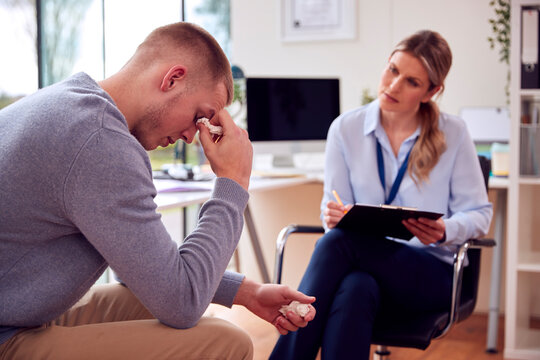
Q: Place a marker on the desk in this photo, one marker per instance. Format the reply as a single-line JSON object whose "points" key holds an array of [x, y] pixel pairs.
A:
{"points": [[175, 200], [500, 185]]}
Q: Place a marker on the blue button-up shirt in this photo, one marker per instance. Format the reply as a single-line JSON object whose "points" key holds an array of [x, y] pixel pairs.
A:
{"points": [[455, 186]]}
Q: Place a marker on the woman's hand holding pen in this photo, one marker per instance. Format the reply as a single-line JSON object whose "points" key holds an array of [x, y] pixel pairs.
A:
{"points": [[428, 231], [334, 212]]}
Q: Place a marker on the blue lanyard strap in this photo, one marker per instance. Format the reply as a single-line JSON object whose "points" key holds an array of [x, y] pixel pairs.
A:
{"points": [[397, 182]]}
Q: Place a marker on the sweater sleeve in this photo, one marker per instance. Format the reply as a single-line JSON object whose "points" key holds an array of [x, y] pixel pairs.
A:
{"points": [[108, 195]]}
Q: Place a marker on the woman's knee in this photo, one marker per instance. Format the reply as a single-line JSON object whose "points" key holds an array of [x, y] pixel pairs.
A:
{"points": [[359, 289], [332, 243]]}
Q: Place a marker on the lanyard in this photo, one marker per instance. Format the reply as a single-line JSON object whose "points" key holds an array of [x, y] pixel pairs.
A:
{"points": [[399, 176]]}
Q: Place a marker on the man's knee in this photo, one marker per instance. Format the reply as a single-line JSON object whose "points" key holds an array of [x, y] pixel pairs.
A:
{"points": [[234, 341], [243, 344]]}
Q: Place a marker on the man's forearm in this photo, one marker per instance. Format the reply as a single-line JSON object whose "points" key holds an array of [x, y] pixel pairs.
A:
{"points": [[246, 292]]}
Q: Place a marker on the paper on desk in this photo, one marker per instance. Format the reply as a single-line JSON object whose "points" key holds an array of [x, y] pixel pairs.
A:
{"points": [[166, 185]]}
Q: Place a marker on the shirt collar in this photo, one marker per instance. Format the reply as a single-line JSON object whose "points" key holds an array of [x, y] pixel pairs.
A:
{"points": [[373, 117], [372, 124]]}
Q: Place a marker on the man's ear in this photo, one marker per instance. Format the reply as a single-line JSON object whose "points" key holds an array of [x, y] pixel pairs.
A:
{"points": [[177, 72]]}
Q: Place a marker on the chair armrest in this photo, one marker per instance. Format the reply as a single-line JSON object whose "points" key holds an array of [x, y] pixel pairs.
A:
{"points": [[476, 243], [282, 240], [459, 262], [304, 229]]}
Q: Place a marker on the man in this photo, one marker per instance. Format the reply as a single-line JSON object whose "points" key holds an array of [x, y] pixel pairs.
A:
{"points": [[76, 196]]}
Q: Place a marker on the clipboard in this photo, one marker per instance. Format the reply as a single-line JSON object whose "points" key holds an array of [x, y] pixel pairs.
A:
{"points": [[383, 220]]}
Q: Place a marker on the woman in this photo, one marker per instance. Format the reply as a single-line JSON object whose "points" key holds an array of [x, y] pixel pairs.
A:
{"points": [[428, 161]]}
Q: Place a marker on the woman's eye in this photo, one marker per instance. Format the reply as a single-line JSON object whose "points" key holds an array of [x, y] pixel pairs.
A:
{"points": [[413, 83]]}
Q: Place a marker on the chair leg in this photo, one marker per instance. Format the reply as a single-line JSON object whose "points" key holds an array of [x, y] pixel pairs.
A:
{"points": [[381, 353]]}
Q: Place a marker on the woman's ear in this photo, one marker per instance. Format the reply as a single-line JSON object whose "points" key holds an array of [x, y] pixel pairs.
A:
{"points": [[175, 73], [430, 94]]}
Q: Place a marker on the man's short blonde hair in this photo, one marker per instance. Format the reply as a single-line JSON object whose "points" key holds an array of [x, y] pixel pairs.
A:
{"points": [[189, 44]]}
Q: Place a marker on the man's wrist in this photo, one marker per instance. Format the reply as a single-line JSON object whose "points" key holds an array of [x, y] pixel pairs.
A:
{"points": [[240, 180], [245, 292]]}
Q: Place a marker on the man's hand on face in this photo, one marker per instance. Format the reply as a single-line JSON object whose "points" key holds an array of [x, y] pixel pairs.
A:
{"points": [[232, 155]]}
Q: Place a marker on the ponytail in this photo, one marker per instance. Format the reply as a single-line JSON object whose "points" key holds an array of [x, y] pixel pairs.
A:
{"points": [[430, 145]]}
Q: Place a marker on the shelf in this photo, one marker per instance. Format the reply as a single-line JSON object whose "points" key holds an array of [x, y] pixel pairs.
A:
{"points": [[529, 342], [524, 3], [522, 353], [529, 261], [522, 336], [529, 180], [529, 94], [529, 267]]}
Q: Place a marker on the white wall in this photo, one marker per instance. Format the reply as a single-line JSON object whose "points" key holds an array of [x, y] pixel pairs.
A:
{"points": [[476, 77]]}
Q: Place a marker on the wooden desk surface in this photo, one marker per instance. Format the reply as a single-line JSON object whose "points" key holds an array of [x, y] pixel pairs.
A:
{"points": [[179, 199]]}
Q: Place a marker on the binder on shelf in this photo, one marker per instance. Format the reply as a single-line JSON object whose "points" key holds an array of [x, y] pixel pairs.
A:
{"points": [[530, 49], [530, 150]]}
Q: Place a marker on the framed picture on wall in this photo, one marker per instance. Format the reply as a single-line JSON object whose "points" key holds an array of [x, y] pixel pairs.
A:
{"points": [[317, 20]]}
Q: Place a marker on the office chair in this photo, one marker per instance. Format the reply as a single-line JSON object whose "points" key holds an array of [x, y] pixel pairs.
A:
{"points": [[393, 328]]}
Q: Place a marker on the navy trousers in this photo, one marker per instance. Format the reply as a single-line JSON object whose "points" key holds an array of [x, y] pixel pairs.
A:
{"points": [[352, 276]]}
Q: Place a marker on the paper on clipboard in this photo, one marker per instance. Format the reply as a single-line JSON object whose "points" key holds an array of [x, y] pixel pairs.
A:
{"points": [[382, 221]]}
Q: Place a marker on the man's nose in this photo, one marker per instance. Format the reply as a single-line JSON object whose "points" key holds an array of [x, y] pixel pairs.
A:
{"points": [[189, 134]]}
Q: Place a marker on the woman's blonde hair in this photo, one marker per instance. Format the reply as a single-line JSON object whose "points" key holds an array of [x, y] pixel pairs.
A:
{"points": [[434, 53]]}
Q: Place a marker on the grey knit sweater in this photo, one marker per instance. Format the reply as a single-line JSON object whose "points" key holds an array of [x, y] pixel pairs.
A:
{"points": [[76, 195]]}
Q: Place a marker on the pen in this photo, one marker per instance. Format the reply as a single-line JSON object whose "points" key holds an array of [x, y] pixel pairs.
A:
{"points": [[338, 199]]}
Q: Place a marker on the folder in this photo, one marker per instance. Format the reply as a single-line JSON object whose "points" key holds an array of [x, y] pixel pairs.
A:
{"points": [[530, 74], [382, 221]]}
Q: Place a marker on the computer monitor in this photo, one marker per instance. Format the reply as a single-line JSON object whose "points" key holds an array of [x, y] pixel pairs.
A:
{"points": [[290, 115]]}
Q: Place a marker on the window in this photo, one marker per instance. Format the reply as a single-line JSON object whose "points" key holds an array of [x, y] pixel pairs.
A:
{"points": [[212, 15], [97, 37], [124, 31], [19, 70], [71, 38]]}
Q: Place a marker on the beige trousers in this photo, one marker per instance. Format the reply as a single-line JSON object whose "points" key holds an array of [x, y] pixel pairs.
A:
{"points": [[110, 323]]}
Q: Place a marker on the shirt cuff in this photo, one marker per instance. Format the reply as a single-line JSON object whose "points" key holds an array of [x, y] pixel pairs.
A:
{"points": [[227, 289]]}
